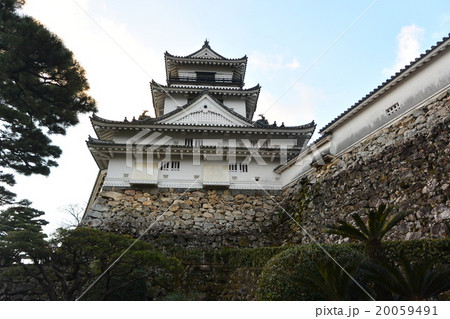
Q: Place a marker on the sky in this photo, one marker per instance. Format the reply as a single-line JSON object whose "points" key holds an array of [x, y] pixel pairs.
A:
{"points": [[313, 59]]}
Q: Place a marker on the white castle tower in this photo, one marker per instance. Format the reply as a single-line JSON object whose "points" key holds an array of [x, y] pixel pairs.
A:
{"points": [[202, 136]]}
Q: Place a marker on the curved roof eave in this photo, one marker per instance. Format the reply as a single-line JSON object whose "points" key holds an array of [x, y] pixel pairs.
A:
{"points": [[156, 85]]}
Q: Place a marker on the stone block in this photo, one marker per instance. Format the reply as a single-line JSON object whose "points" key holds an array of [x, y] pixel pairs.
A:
{"points": [[94, 223], [113, 195], [94, 214], [228, 198], [100, 208]]}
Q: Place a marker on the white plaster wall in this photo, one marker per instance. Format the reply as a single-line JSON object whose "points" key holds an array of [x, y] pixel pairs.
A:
{"points": [[187, 171], [171, 102], [237, 104], [191, 169], [117, 167], [411, 91]]}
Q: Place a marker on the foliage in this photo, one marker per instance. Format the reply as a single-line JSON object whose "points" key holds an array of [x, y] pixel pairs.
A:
{"points": [[295, 273], [335, 282], [42, 92], [21, 237], [67, 264], [91, 252], [372, 232], [232, 257], [418, 250], [288, 275], [421, 280]]}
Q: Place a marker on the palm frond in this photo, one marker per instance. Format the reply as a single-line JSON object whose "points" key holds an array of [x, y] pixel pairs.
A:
{"points": [[346, 229], [393, 221], [362, 227], [410, 281]]}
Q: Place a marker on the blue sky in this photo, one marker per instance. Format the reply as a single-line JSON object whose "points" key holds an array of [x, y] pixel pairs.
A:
{"points": [[121, 46]]}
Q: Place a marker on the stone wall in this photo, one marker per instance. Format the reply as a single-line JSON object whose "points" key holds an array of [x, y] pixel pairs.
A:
{"points": [[203, 218], [405, 165], [20, 288]]}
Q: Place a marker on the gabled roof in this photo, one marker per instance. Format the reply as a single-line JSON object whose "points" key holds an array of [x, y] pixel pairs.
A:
{"points": [[394, 80], [200, 54], [187, 111], [205, 52], [159, 93], [147, 122], [206, 56]]}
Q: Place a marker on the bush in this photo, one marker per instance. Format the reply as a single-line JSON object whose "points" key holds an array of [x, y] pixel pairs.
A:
{"points": [[417, 250], [287, 275]]}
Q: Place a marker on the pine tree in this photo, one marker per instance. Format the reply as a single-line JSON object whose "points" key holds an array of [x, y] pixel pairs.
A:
{"points": [[42, 92], [21, 235]]}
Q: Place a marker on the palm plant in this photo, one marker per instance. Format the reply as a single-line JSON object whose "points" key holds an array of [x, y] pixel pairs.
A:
{"points": [[372, 232], [410, 281], [333, 283]]}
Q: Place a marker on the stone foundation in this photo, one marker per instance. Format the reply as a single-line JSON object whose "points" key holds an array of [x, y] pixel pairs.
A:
{"points": [[203, 218], [405, 165]]}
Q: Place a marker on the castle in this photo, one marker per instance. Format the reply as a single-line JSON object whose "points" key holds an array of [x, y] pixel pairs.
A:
{"points": [[203, 135], [204, 173]]}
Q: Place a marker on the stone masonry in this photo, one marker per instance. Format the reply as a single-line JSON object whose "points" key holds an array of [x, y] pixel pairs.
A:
{"points": [[203, 218], [405, 165]]}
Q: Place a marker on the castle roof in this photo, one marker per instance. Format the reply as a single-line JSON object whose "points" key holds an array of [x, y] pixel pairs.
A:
{"points": [[205, 56], [102, 150], [159, 93], [104, 128]]}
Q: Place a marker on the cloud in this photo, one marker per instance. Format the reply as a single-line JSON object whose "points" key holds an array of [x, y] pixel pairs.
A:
{"points": [[268, 62], [265, 62], [293, 65], [408, 48], [296, 108]]}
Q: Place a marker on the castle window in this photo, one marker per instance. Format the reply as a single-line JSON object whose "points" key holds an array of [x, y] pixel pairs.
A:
{"points": [[205, 76], [198, 142], [241, 168], [392, 109], [170, 166], [175, 166]]}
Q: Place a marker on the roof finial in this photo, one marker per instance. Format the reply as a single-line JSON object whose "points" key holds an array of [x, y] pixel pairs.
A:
{"points": [[206, 43]]}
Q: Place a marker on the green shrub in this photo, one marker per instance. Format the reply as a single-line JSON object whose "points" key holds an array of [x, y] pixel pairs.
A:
{"points": [[287, 275], [417, 250]]}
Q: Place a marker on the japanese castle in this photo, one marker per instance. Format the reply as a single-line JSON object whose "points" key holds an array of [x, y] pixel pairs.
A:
{"points": [[203, 134]]}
